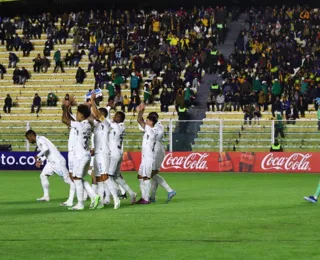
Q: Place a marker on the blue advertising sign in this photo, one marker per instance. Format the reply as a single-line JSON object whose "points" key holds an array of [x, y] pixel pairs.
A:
{"points": [[20, 160]]}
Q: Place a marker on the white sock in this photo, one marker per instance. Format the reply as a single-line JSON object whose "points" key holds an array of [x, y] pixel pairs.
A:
{"points": [[162, 182], [113, 189], [95, 188], [89, 189], [100, 190], [154, 187], [72, 190], [122, 189], [147, 186], [142, 188], [106, 194], [123, 183], [79, 189], [45, 185], [85, 195]]}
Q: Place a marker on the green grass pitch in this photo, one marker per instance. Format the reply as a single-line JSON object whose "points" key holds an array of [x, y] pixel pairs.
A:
{"points": [[214, 216]]}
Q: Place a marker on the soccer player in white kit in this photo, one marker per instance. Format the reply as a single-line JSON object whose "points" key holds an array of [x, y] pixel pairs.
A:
{"points": [[107, 182], [55, 164], [158, 159], [116, 135], [148, 153], [81, 155], [101, 150]]}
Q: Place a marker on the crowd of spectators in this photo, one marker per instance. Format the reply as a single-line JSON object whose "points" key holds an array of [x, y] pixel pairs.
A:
{"points": [[171, 46], [275, 65]]}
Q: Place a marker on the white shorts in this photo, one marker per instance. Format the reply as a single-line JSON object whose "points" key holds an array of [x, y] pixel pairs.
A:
{"points": [[145, 169], [70, 161], [114, 165], [158, 159], [101, 164], [59, 169], [81, 167]]}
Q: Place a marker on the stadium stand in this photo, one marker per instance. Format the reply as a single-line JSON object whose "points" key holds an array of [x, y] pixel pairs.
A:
{"points": [[276, 56], [171, 46]]}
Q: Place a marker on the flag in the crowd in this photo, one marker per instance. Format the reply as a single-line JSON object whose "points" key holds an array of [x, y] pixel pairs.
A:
{"points": [[97, 91]]}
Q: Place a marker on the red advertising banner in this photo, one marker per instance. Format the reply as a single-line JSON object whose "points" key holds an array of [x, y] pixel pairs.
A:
{"points": [[230, 162]]}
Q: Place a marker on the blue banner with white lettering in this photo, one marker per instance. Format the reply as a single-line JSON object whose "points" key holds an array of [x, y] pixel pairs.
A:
{"points": [[20, 160]]}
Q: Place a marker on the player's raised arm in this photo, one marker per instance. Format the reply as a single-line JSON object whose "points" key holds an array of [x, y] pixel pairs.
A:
{"points": [[140, 119], [66, 119], [70, 115], [95, 109], [108, 117]]}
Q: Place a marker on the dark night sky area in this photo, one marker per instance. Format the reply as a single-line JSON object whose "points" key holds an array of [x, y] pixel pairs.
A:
{"points": [[60, 6]]}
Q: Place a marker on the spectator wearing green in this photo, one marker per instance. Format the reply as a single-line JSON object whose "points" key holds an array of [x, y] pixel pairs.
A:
{"points": [[134, 83], [146, 93], [187, 95], [118, 80], [264, 87], [257, 85], [278, 126], [303, 86], [276, 88], [57, 59], [52, 100], [111, 91]]}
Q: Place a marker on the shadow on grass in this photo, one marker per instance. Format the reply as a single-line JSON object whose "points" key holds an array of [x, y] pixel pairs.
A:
{"points": [[35, 208], [24, 202]]}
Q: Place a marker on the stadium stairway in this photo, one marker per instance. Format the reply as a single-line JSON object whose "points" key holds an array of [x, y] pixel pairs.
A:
{"points": [[234, 29], [185, 140]]}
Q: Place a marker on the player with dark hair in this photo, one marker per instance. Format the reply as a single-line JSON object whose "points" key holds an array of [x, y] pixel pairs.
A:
{"points": [[101, 150], [159, 154], [82, 154], [148, 145], [55, 164], [106, 183], [116, 136]]}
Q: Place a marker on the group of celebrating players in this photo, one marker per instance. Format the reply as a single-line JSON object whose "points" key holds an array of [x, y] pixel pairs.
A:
{"points": [[108, 135]]}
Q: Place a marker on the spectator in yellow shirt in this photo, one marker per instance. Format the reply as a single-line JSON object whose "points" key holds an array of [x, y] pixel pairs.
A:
{"points": [[184, 43], [205, 22], [156, 26], [126, 102], [93, 38], [174, 41]]}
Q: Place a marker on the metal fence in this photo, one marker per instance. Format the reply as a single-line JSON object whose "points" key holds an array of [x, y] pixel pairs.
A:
{"points": [[205, 135]]}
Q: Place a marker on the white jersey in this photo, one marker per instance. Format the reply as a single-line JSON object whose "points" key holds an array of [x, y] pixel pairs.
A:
{"points": [[83, 135], [72, 137], [101, 130], [160, 133], [72, 140], [49, 151], [149, 141], [116, 135]]}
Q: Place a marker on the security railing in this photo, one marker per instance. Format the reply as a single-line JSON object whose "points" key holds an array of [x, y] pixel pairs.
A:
{"points": [[203, 135]]}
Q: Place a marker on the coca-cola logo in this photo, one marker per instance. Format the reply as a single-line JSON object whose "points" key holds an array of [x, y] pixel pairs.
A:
{"points": [[295, 162], [193, 161]]}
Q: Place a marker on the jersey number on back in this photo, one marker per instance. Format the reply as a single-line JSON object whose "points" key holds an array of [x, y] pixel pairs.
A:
{"points": [[86, 137]]}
